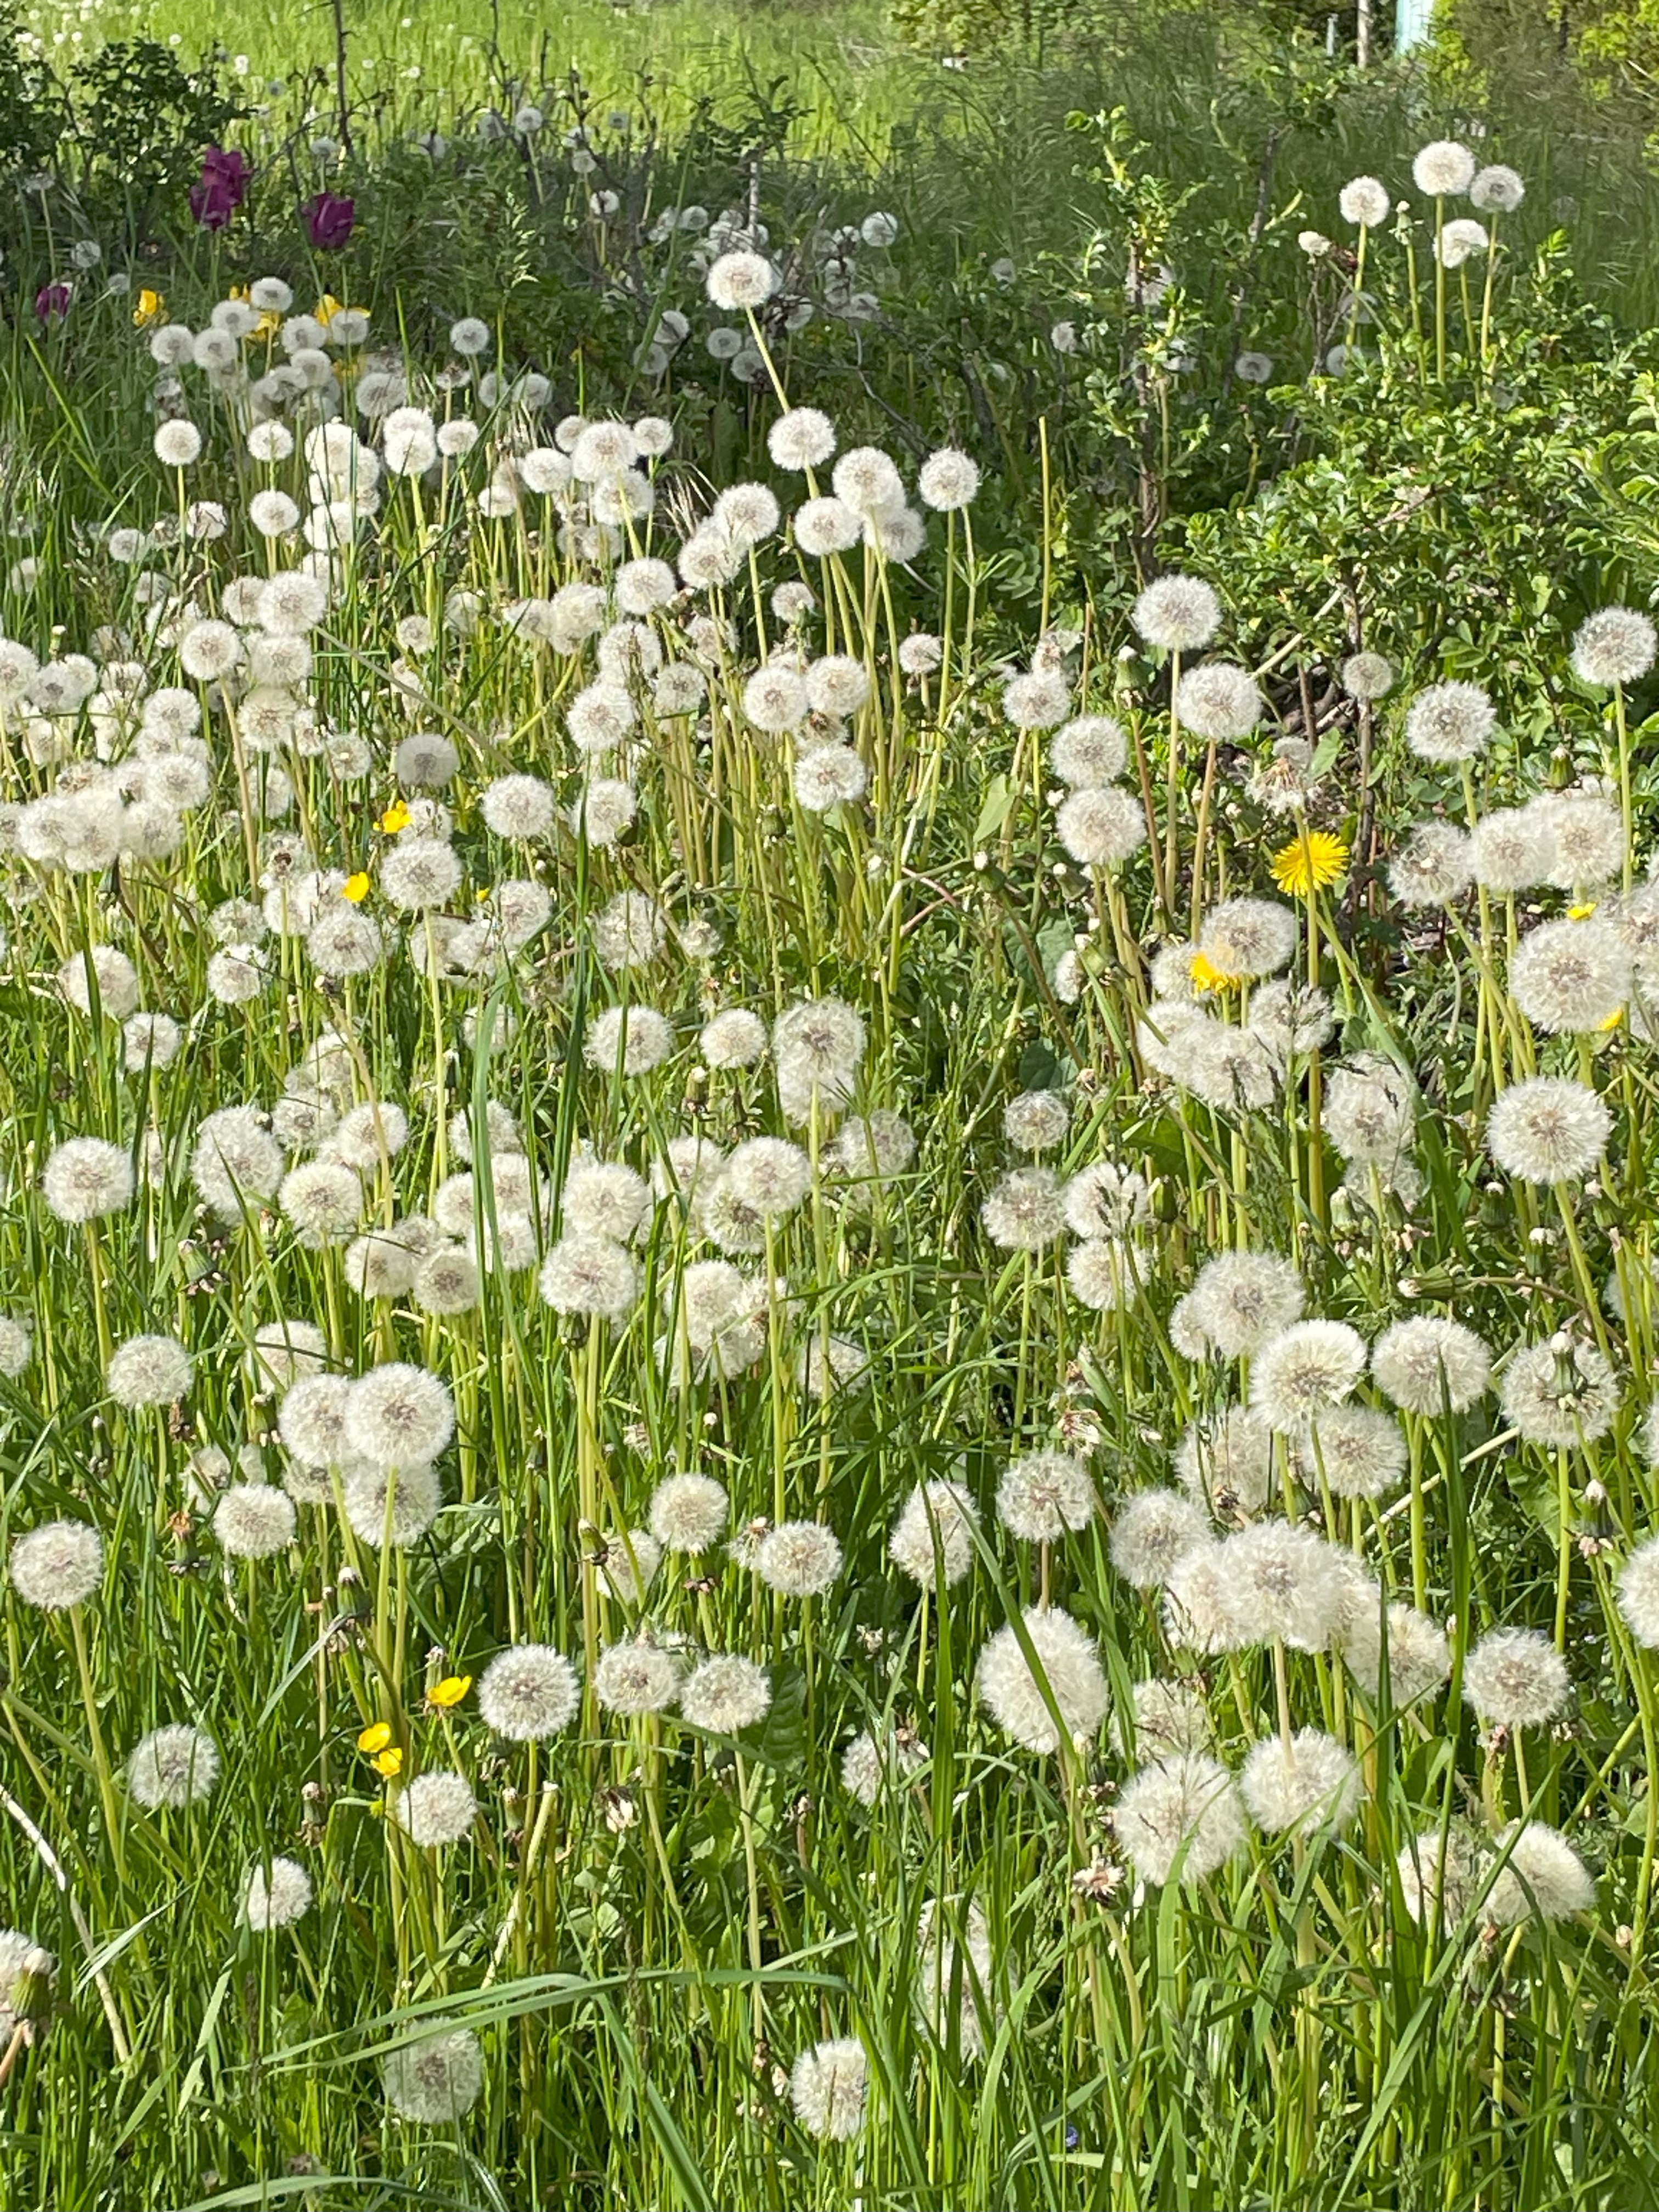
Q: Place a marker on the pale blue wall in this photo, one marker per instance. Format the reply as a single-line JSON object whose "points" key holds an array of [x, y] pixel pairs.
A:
{"points": [[1411, 23]]}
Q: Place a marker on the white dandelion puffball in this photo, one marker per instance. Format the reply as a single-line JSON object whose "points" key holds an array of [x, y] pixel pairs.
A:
{"points": [[1459, 240], [1571, 978], [1497, 190], [1045, 1495], [254, 1519], [1548, 1129], [1068, 1675], [436, 2080], [1638, 1593], [1179, 1819], [1429, 1363], [726, 1694], [86, 1178], [934, 1535], [1615, 645], [636, 1677], [741, 281], [172, 1766], [276, 1896], [1444, 169], [1365, 203], [436, 1809], [1220, 701], [58, 1565], [398, 1416], [1153, 1531], [148, 1370], [1304, 1371], [1311, 1784], [827, 2086], [1180, 614], [1515, 1678], [528, 1691], [1450, 722]]}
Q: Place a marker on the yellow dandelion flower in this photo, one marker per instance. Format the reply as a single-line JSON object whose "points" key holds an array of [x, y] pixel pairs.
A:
{"points": [[1614, 1019], [1581, 913], [1310, 862], [1208, 976], [375, 1737], [395, 818], [356, 888], [152, 308], [449, 1692], [389, 1762]]}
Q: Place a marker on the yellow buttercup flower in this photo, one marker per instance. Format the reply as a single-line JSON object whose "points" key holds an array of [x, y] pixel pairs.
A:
{"points": [[1208, 976], [395, 818], [390, 1762], [356, 888], [1581, 913], [328, 306], [1310, 862], [375, 1737], [151, 308], [449, 1692]]}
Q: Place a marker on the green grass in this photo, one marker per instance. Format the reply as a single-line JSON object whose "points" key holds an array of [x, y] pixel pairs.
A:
{"points": [[649, 1922]]}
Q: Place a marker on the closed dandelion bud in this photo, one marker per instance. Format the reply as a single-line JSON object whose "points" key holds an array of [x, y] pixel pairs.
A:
{"points": [[1179, 1819], [1068, 1678], [1309, 1785], [1514, 1678], [435, 2080]]}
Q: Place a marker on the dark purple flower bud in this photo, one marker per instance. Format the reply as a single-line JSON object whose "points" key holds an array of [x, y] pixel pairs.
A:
{"points": [[222, 187], [52, 300], [328, 220]]}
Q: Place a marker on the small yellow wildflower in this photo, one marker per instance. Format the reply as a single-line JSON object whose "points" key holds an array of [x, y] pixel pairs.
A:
{"points": [[395, 818], [356, 888], [1581, 913], [1310, 862], [375, 1737], [389, 1762], [152, 308], [1208, 976], [1614, 1019], [328, 306], [449, 1692]]}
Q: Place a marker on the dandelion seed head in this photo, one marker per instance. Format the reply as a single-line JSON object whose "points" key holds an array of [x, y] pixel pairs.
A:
{"points": [[1638, 1593], [589, 1275], [726, 1694], [1547, 1129], [1359, 1451], [1559, 1393], [1443, 169], [1497, 190], [436, 2080], [1070, 1665], [1045, 1495], [827, 2088], [1514, 1678], [172, 1766], [1224, 1462], [1169, 1718], [636, 1677], [1430, 1363], [527, 1692], [1364, 202], [1309, 1785], [1285, 1584], [1180, 614], [398, 1416], [437, 1808], [254, 1521], [799, 1559], [86, 1178], [1433, 868], [1219, 701], [1450, 722], [148, 1370], [635, 1038], [1304, 1371], [1179, 1819], [1241, 1300], [276, 1896], [58, 1565], [1615, 645], [1418, 1654], [688, 1512], [1101, 826], [1037, 1121], [392, 1505], [933, 1537]]}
